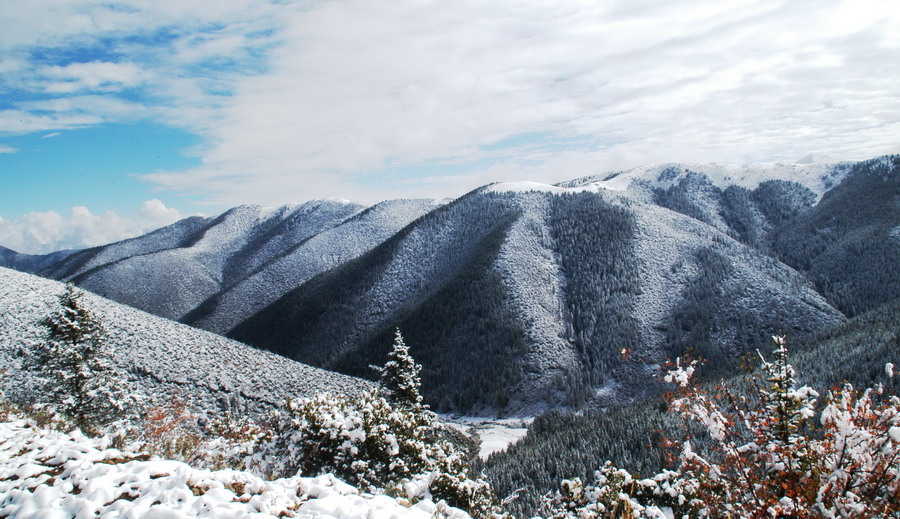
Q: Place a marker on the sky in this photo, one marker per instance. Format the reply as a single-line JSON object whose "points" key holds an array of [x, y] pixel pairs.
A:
{"points": [[117, 117]]}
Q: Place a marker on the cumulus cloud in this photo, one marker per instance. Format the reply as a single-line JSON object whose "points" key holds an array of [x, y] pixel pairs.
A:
{"points": [[43, 232]]}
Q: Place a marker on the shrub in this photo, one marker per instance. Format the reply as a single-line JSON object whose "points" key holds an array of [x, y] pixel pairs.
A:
{"points": [[775, 453], [368, 443]]}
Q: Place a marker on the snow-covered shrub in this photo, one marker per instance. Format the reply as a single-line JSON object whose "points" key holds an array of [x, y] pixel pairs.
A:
{"points": [[168, 430], [75, 363], [614, 493], [368, 443], [775, 453], [230, 441]]}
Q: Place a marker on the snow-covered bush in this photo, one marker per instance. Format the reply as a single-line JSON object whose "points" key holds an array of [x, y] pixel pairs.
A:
{"points": [[230, 442], [778, 452], [368, 443], [75, 363], [168, 430]]}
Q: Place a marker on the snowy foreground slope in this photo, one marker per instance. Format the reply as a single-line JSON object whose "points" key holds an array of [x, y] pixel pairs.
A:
{"points": [[49, 474], [165, 358]]}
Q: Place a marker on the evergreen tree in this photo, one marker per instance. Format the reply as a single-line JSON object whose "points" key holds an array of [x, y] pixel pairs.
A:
{"points": [[76, 363], [400, 376]]}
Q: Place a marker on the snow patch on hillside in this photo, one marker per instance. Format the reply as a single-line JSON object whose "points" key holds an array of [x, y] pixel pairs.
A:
{"points": [[495, 434], [534, 187], [48, 474]]}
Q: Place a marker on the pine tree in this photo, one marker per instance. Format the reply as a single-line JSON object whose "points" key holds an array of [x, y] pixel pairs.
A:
{"points": [[400, 376], [76, 363]]}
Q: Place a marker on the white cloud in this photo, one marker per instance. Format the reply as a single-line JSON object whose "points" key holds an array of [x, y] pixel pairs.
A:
{"points": [[299, 100], [43, 232], [5, 148], [95, 75], [157, 212], [358, 87]]}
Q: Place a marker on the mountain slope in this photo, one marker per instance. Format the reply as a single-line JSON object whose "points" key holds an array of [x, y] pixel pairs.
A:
{"points": [[171, 271], [566, 445], [297, 263], [31, 262], [816, 177], [516, 301], [165, 358], [849, 243]]}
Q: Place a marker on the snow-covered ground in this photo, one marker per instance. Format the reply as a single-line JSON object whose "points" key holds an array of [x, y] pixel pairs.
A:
{"points": [[46, 474], [495, 434], [163, 357]]}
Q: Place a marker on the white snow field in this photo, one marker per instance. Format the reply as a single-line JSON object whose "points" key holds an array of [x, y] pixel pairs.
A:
{"points": [[818, 177], [46, 474], [163, 357]]}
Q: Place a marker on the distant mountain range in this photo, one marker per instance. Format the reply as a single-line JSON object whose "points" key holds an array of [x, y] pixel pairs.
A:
{"points": [[519, 297]]}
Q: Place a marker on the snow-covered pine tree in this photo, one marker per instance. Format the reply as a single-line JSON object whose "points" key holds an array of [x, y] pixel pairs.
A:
{"points": [[75, 362], [400, 376]]}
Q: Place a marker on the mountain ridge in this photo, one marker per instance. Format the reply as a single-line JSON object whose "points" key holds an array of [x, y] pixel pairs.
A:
{"points": [[535, 296]]}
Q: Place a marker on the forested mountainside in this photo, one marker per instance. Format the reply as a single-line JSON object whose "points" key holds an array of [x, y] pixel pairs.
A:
{"points": [[564, 445], [519, 301], [522, 297], [170, 360], [217, 270], [171, 271]]}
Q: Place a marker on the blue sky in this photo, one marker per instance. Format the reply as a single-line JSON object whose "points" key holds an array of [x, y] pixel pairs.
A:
{"points": [[119, 117]]}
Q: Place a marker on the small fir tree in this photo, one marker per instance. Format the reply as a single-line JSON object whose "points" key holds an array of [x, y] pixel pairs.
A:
{"points": [[76, 363], [400, 376]]}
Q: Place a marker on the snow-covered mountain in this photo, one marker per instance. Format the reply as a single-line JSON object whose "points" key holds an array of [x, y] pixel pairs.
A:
{"points": [[31, 262], [520, 296], [518, 301], [816, 176], [166, 358], [215, 271], [295, 263], [172, 270]]}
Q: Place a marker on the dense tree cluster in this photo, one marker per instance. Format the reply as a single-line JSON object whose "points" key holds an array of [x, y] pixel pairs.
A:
{"points": [[595, 244], [848, 243]]}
